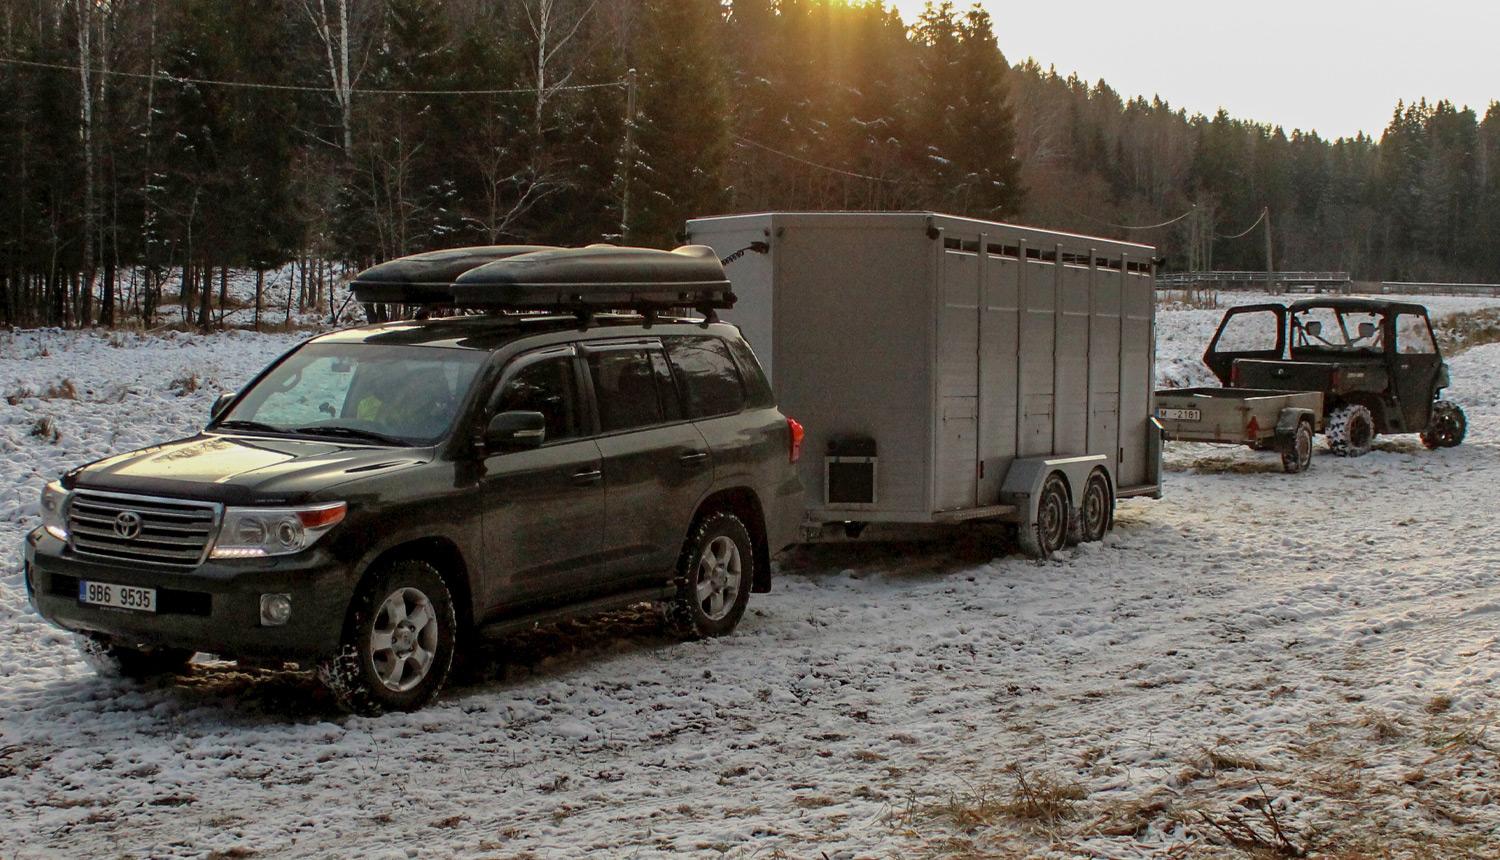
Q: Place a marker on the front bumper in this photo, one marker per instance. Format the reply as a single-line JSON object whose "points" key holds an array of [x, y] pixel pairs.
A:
{"points": [[214, 607]]}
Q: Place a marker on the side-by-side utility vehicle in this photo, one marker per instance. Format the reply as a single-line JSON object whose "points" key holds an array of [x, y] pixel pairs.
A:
{"points": [[378, 497], [1351, 368]]}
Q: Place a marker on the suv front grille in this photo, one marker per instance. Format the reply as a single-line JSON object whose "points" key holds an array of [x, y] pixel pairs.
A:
{"points": [[141, 528]]}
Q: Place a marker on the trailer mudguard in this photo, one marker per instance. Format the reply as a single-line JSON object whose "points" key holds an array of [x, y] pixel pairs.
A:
{"points": [[1023, 481], [1286, 422]]}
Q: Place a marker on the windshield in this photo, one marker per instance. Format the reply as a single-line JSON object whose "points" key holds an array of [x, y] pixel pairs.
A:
{"points": [[1332, 329], [405, 395]]}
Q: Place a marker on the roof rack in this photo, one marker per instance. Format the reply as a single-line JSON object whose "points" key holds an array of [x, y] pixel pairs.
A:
{"points": [[583, 281]]}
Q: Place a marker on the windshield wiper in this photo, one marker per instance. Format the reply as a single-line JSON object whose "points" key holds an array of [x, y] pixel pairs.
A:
{"points": [[354, 433], [256, 426]]}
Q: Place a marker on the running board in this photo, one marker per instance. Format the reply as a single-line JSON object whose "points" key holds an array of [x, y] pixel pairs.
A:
{"points": [[507, 626]]}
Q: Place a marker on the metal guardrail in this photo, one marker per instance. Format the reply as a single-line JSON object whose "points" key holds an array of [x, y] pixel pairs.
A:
{"points": [[1422, 288], [1247, 279]]}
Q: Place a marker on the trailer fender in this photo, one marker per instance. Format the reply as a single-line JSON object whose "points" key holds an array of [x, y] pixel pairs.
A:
{"points": [[1290, 417], [1022, 486]]}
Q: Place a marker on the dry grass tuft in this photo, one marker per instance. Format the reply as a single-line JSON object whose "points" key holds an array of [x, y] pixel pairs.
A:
{"points": [[15, 397], [1221, 464], [64, 390], [185, 384], [1217, 758], [1440, 704], [46, 430], [1383, 727]]}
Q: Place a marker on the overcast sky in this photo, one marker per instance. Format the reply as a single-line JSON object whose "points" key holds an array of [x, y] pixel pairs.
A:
{"points": [[1337, 66]]}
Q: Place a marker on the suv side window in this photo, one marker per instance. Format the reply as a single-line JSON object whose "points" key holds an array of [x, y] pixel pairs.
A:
{"points": [[756, 385], [625, 389], [711, 384], [548, 386], [1413, 335]]}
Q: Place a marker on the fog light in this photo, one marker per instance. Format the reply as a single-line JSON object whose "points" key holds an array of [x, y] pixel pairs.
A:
{"points": [[275, 609]]}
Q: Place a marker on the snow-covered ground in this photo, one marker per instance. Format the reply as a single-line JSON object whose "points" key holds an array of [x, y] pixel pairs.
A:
{"points": [[1318, 653]]}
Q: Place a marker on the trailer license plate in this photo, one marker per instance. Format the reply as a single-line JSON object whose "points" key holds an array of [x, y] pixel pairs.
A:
{"points": [[1179, 414], [117, 596]]}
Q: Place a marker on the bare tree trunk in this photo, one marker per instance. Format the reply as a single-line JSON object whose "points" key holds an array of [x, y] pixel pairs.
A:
{"points": [[260, 286], [84, 11]]}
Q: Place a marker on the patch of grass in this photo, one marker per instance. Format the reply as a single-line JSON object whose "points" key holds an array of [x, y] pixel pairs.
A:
{"points": [[185, 384], [1459, 332], [1259, 832], [1383, 727], [1218, 758], [64, 390], [46, 430], [1227, 465], [1439, 704]]}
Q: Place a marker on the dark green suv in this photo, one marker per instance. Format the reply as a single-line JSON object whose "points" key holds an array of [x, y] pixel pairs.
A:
{"points": [[378, 497]]}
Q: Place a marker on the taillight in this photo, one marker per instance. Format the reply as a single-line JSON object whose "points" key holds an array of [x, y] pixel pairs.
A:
{"points": [[795, 432], [1333, 378], [1234, 375], [1252, 430]]}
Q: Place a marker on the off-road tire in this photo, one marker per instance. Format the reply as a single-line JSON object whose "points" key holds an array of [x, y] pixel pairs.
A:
{"points": [[1447, 426], [1296, 450], [121, 661], [351, 675], [1049, 533], [1350, 430], [1096, 509], [686, 616]]}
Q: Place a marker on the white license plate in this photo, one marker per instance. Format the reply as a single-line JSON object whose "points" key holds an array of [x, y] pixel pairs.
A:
{"points": [[118, 596], [1179, 414]]}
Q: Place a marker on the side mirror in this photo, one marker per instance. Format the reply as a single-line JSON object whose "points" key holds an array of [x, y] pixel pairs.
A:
{"points": [[220, 404], [1313, 327], [516, 430], [1366, 330]]}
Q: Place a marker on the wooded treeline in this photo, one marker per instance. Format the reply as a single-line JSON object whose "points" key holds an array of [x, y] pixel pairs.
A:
{"points": [[161, 142]]}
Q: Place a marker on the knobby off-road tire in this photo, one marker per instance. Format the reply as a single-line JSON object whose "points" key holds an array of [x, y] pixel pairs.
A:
{"points": [[121, 661], [1296, 451], [1447, 426], [1350, 430], [1049, 533], [714, 575], [398, 642]]}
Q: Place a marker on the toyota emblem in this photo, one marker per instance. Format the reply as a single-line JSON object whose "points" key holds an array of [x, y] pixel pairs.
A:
{"points": [[128, 525]]}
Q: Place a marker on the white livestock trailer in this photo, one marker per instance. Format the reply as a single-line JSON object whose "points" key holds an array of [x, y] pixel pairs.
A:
{"points": [[949, 369]]}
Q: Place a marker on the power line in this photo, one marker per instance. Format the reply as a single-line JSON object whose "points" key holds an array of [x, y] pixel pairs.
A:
{"points": [[743, 142], [1136, 226], [1246, 231], [163, 77]]}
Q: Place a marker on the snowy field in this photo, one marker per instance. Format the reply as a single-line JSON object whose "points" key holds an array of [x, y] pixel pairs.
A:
{"points": [[1256, 661]]}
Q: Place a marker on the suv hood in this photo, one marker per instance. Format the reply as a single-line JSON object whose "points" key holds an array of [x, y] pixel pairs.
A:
{"points": [[236, 469]]}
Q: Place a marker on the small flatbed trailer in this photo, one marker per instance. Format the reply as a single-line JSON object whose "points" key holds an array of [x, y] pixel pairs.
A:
{"points": [[1263, 419]]}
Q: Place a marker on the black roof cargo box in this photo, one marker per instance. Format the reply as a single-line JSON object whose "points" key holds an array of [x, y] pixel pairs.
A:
{"points": [[421, 279], [598, 277]]}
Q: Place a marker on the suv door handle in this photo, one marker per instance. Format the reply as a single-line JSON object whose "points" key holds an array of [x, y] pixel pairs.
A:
{"points": [[588, 476], [697, 458]]}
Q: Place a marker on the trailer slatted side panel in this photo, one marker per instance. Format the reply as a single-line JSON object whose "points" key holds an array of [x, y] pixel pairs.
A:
{"points": [[999, 332], [1138, 307], [956, 480], [1072, 361], [1037, 349], [1104, 358]]}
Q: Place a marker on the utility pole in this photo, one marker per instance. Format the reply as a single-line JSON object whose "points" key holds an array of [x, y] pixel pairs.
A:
{"points": [[630, 95], [1270, 264]]}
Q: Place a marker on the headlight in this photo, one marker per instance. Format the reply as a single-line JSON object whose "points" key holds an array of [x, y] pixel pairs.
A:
{"points": [[55, 510], [260, 532]]}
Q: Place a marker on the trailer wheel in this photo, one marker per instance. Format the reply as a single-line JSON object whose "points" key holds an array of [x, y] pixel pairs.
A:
{"points": [[1050, 531], [1350, 430], [1096, 512], [1447, 427], [1296, 450]]}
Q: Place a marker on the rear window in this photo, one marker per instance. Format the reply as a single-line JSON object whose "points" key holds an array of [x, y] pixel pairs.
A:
{"points": [[756, 387], [710, 381]]}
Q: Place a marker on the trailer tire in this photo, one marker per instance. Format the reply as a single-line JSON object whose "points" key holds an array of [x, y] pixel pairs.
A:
{"points": [[1096, 511], [1049, 532], [1350, 430], [1296, 449], [1447, 427]]}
